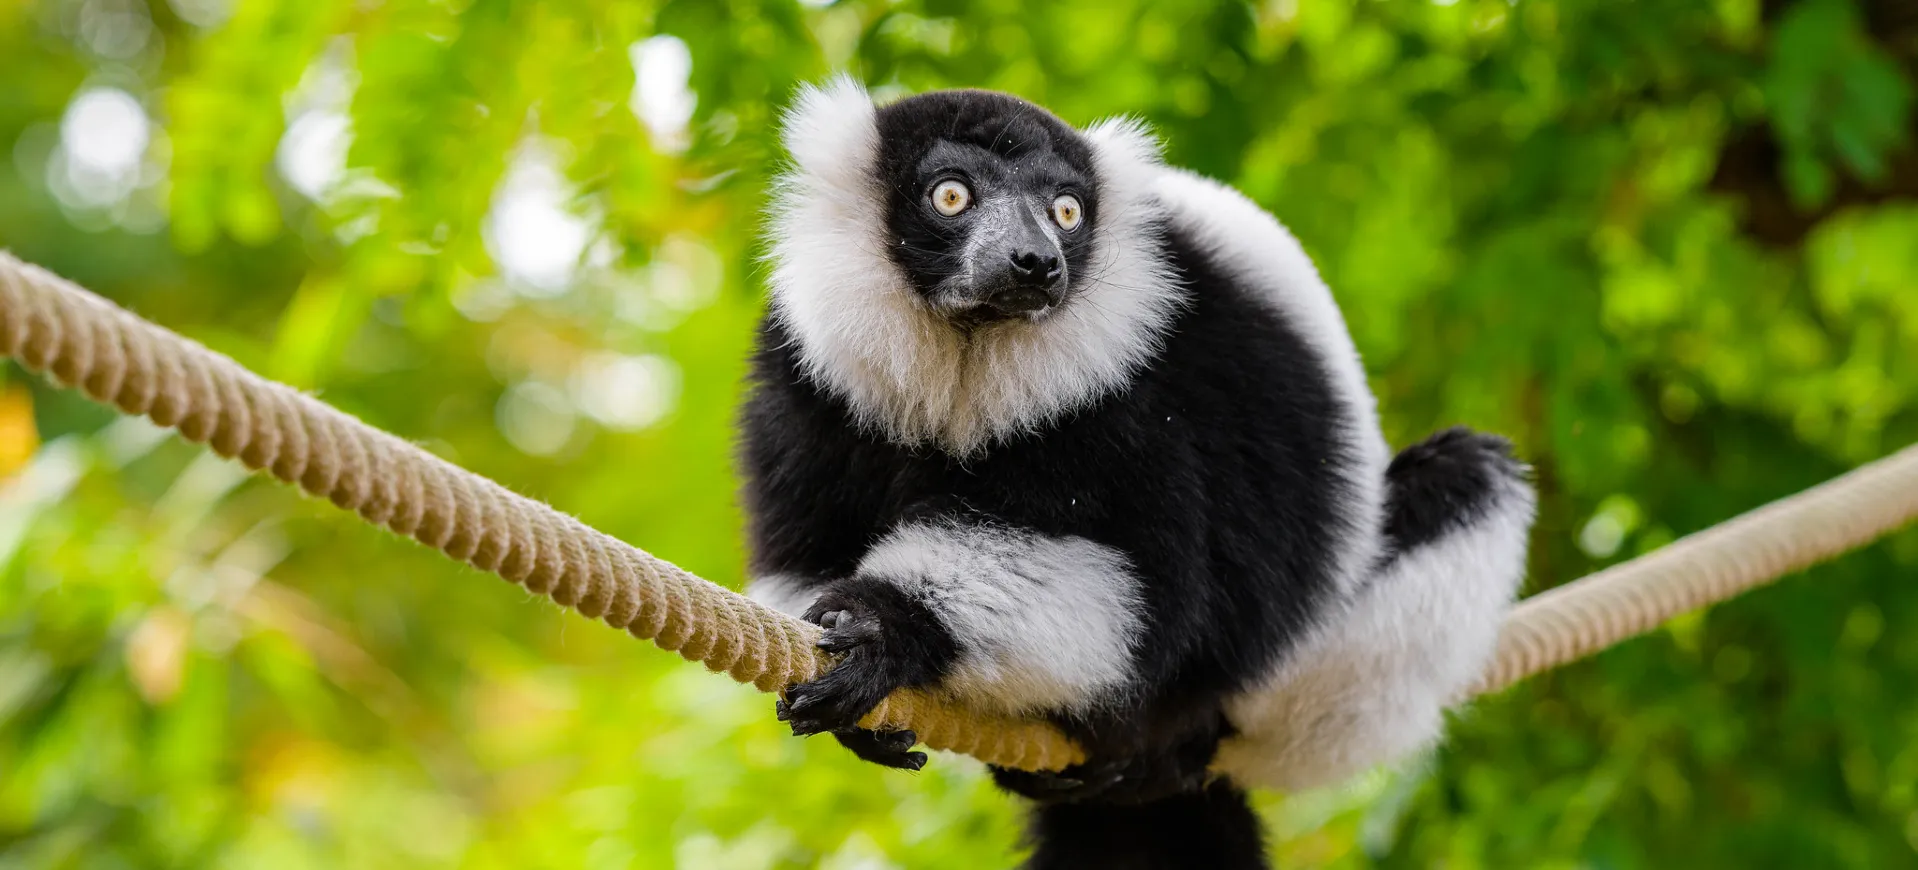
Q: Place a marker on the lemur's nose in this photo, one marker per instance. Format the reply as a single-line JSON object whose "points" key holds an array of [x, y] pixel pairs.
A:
{"points": [[1033, 269]]}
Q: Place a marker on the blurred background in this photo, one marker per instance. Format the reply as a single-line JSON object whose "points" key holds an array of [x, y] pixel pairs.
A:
{"points": [[1669, 246]]}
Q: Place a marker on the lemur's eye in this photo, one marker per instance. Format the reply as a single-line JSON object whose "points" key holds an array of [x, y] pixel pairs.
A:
{"points": [[1067, 212], [950, 198]]}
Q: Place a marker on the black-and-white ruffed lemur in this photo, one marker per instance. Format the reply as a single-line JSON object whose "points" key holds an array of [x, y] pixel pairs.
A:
{"points": [[1042, 423]]}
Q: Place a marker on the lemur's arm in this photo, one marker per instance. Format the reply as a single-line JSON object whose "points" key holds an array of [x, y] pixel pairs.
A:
{"points": [[1004, 616]]}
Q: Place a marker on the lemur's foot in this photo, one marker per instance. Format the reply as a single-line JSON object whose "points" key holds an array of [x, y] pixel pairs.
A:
{"points": [[1073, 784], [883, 644], [1130, 780], [1180, 765]]}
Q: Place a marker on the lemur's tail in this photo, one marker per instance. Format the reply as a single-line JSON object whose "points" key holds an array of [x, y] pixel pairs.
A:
{"points": [[1215, 828], [1370, 686]]}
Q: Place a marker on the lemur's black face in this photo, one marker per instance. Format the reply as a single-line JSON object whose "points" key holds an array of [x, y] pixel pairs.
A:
{"points": [[992, 203]]}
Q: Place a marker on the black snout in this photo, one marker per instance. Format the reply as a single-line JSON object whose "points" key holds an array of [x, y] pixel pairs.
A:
{"points": [[1027, 275], [1027, 284], [1018, 272], [1033, 269]]}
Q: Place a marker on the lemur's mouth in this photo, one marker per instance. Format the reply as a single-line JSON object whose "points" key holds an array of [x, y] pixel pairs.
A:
{"points": [[999, 299], [1019, 305], [1019, 300]]}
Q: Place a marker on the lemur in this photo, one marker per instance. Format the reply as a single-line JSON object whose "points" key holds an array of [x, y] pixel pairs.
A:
{"points": [[1043, 424]]}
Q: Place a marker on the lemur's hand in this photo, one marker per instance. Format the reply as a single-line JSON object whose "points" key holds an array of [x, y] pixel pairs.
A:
{"points": [[868, 623], [862, 678]]}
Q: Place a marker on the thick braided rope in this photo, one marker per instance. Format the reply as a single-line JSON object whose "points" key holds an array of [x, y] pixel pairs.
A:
{"points": [[1761, 545], [87, 343]]}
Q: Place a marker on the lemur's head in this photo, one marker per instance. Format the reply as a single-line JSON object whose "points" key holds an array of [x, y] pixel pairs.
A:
{"points": [[960, 266], [991, 201]]}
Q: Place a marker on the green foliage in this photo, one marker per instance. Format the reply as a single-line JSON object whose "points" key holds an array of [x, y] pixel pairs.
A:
{"points": [[1670, 247]]}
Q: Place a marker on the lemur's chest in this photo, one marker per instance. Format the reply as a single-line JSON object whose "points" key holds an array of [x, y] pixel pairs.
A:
{"points": [[1081, 478]]}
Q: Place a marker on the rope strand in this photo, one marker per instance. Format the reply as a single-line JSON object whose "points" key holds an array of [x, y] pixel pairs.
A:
{"points": [[84, 342]]}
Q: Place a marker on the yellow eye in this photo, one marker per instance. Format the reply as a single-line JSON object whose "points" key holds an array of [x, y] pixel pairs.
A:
{"points": [[1067, 212], [951, 198]]}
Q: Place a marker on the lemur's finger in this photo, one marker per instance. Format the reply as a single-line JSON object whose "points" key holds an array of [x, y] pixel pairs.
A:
{"points": [[839, 641], [889, 748]]}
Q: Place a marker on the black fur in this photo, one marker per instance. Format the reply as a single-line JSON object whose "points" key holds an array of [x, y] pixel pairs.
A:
{"points": [[1214, 470], [1444, 483], [1212, 827]]}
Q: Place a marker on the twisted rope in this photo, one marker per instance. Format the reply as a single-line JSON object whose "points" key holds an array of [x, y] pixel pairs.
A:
{"points": [[87, 343], [84, 342], [1759, 546]]}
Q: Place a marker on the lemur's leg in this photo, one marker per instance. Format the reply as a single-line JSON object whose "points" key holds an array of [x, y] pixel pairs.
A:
{"points": [[1370, 686], [1005, 617]]}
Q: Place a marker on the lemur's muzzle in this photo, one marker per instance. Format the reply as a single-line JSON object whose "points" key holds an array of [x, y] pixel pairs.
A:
{"points": [[1020, 272]]}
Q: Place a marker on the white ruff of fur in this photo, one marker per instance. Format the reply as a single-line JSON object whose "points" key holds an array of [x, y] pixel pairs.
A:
{"points": [[866, 336], [1370, 685]]}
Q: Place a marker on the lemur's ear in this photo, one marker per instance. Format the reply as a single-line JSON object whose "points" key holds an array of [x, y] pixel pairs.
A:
{"points": [[831, 133]]}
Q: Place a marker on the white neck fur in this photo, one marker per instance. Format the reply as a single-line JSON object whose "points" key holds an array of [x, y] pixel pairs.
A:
{"points": [[867, 337]]}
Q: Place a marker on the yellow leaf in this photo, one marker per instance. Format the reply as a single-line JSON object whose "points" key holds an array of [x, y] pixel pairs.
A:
{"points": [[18, 435]]}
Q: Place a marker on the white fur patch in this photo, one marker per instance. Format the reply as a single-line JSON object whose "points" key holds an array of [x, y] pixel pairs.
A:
{"points": [[1043, 623], [865, 335], [1370, 685], [783, 592], [1261, 254]]}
